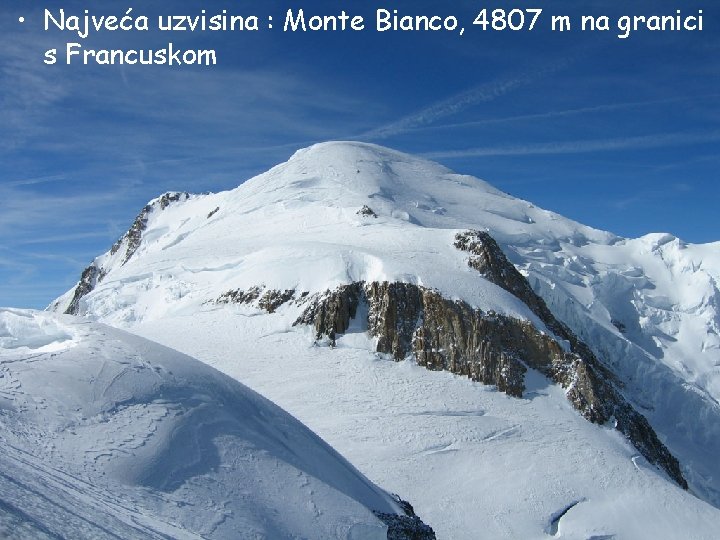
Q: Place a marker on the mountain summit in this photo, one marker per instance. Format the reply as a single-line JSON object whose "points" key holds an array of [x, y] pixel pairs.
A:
{"points": [[301, 226], [354, 249]]}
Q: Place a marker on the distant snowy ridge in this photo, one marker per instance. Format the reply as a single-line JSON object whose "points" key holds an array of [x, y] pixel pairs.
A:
{"points": [[646, 307], [104, 434]]}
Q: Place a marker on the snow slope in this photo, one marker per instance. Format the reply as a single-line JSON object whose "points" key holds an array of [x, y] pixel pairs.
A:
{"points": [[106, 435], [648, 307], [475, 463]]}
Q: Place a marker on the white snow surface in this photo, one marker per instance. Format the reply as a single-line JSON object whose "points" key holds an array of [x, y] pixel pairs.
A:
{"points": [[104, 434], [475, 463], [648, 306]]}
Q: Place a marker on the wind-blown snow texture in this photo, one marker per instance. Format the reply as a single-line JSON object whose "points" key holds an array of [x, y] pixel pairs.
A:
{"points": [[647, 307], [107, 435]]}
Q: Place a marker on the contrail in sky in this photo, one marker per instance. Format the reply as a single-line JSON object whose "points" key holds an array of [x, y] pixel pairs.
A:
{"points": [[566, 112], [480, 94], [578, 147]]}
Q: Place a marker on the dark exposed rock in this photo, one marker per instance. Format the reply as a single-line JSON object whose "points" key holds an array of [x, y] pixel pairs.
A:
{"points": [[407, 508], [620, 326], [90, 277], [332, 312], [407, 527], [273, 299], [269, 300], [171, 197], [93, 274], [441, 334], [397, 312], [489, 260], [213, 212], [366, 211], [238, 296], [133, 237]]}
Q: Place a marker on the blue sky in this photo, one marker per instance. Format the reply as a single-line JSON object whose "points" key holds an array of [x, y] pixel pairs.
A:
{"points": [[623, 135]]}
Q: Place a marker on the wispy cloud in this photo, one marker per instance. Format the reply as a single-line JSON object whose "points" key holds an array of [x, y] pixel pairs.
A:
{"points": [[480, 94], [60, 238], [37, 180], [643, 196], [16, 266], [578, 147], [549, 115], [24, 215], [29, 89], [130, 116]]}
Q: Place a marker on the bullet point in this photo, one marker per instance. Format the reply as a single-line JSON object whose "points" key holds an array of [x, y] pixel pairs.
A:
{"points": [[21, 19]]}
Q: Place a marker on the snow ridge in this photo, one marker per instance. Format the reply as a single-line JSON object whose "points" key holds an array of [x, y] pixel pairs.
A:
{"points": [[105, 434]]}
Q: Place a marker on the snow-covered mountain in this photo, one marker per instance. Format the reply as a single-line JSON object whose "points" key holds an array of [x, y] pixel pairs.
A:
{"points": [[104, 434], [383, 253]]}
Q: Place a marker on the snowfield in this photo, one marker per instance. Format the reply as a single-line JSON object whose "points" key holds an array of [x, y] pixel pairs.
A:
{"points": [[474, 462], [106, 435]]}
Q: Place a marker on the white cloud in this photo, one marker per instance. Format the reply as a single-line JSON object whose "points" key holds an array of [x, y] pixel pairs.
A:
{"points": [[578, 147]]}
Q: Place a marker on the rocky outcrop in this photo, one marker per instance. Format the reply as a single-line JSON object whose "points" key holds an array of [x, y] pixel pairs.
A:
{"points": [[591, 387], [405, 527], [132, 239], [94, 274], [366, 211], [239, 296], [90, 277], [409, 320], [331, 313], [273, 299], [441, 334], [266, 299], [489, 260]]}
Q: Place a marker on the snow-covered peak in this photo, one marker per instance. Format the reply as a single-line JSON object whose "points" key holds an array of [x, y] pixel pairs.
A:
{"points": [[349, 156], [402, 186]]}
